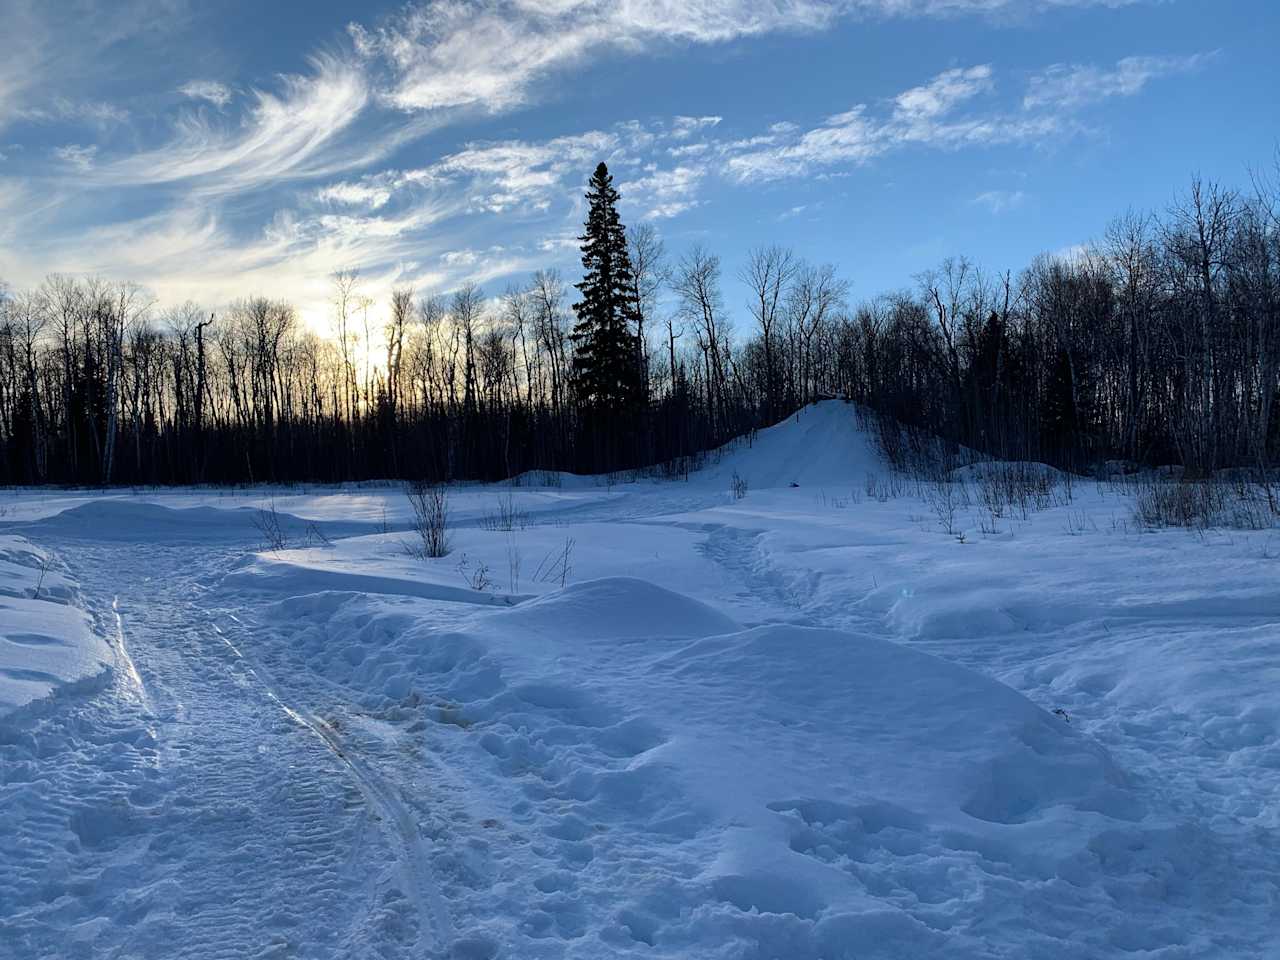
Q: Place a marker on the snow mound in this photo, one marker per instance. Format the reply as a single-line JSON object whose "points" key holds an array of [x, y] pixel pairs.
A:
{"points": [[820, 444], [117, 519], [268, 574], [47, 644], [614, 608], [782, 791], [919, 731]]}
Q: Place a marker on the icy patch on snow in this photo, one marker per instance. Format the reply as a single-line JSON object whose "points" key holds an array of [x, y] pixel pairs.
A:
{"points": [[47, 644]]}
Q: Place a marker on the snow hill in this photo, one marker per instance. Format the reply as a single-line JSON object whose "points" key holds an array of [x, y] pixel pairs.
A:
{"points": [[819, 444]]}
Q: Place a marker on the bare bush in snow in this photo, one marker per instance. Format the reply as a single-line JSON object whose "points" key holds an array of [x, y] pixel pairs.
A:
{"points": [[884, 488], [45, 563], [477, 576], [515, 561], [1020, 487], [267, 522], [315, 536], [557, 564], [911, 451], [430, 504], [946, 498], [506, 516], [1200, 504]]}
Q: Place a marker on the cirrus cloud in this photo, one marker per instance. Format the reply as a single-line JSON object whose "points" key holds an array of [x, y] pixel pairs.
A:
{"points": [[219, 94]]}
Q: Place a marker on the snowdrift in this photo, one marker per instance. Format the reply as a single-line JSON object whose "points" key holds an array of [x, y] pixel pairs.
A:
{"points": [[614, 608], [47, 644], [267, 573], [131, 520], [521, 563], [690, 786]]}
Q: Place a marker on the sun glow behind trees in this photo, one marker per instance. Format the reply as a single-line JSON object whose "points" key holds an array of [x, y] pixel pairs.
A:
{"points": [[1158, 344]]}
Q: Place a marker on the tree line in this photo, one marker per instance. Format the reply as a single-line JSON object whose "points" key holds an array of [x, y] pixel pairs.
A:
{"points": [[1160, 343]]}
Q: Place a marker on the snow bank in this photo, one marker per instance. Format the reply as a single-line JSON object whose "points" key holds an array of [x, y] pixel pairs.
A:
{"points": [[47, 644]]}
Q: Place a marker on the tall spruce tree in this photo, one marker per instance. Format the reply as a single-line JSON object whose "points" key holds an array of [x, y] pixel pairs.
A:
{"points": [[605, 369]]}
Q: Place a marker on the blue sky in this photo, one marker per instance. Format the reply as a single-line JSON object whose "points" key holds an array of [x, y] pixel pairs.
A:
{"points": [[214, 150]]}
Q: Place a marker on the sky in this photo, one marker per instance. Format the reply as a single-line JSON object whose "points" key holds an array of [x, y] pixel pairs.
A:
{"points": [[215, 150]]}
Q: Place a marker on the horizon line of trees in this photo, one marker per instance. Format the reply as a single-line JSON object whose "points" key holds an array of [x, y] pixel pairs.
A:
{"points": [[1158, 344]]}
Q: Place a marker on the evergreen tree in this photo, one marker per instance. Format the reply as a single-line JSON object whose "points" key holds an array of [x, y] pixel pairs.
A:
{"points": [[987, 381], [605, 368], [1063, 423]]}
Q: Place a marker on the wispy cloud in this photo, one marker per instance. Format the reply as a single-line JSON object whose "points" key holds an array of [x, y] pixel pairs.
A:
{"points": [[684, 127], [1000, 201], [49, 61], [326, 135], [77, 156], [190, 252], [942, 94], [93, 113], [283, 135], [923, 115], [518, 174], [1070, 86], [530, 177], [371, 194], [934, 114], [219, 94], [489, 54], [661, 194]]}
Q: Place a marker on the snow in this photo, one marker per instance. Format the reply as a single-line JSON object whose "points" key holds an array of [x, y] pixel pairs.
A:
{"points": [[821, 444], [805, 723], [116, 519], [47, 644]]}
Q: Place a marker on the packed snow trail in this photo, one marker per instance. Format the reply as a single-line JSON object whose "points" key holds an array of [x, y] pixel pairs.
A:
{"points": [[383, 798], [188, 810]]}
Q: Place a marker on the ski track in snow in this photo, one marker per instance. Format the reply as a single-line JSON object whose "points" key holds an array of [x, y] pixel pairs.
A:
{"points": [[189, 811], [382, 797]]}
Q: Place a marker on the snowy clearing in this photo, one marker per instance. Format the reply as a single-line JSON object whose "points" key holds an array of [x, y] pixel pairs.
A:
{"points": [[835, 715]]}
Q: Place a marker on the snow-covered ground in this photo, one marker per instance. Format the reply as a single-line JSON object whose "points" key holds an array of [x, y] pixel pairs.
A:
{"points": [[843, 716], [47, 644]]}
